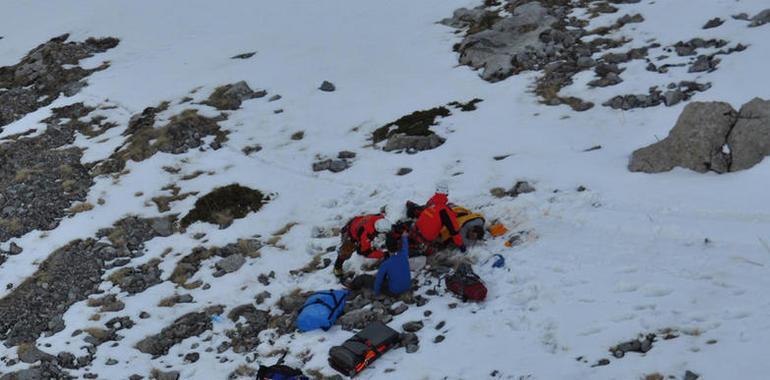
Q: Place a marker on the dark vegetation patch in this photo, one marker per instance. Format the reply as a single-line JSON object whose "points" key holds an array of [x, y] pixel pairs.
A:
{"points": [[417, 123], [44, 73], [163, 202], [468, 106], [224, 204]]}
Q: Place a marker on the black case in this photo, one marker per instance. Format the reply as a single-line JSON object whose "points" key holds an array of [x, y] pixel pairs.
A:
{"points": [[362, 349]]}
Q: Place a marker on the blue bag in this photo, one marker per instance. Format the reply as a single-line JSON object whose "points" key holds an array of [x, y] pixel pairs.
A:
{"points": [[321, 310]]}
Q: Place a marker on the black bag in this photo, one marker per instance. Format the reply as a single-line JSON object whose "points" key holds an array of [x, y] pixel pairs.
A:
{"points": [[362, 349], [279, 372], [466, 284]]}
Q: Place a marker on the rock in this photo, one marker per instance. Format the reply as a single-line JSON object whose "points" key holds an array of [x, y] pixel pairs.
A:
{"points": [[111, 361], [439, 339], [244, 55], [412, 348], [760, 18], [192, 357], [696, 141], [749, 140], [345, 154], [516, 36], [672, 97], [161, 375], [334, 166], [14, 249], [689, 375], [412, 327], [186, 326], [327, 86], [403, 171], [144, 315], [261, 297], [741, 16], [230, 96], [586, 62], [274, 98], [400, 309], [231, 263], [30, 354], [713, 23], [601, 362], [358, 319], [521, 187], [413, 144], [704, 63]]}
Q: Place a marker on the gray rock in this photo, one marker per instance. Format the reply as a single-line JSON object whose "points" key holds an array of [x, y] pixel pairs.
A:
{"points": [[760, 18], [230, 96], [439, 339], [413, 143], [327, 86], [672, 97], [412, 348], [749, 140], [696, 141], [689, 375], [713, 23], [742, 17], [111, 361], [186, 326], [161, 375], [192, 357], [29, 353], [586, 62], [403, 171], [15, 249], [358, 319], [244, 55], [508, 43], [704, 63], [338, 165], [346, 154], [412, 327], [274, 98], [231, 263]]}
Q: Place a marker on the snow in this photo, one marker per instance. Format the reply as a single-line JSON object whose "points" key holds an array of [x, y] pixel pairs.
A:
{"points": [[635, 253]]}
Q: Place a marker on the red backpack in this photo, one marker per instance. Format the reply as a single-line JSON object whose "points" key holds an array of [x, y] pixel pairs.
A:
{"points": [[466, 284]]}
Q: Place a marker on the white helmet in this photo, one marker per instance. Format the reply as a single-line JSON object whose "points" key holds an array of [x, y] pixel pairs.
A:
{"points": [[382, 225], [442, 188]]}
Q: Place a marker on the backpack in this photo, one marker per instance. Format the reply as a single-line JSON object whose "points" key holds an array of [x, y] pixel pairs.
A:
{"points": [[280, 372], [321, 310], [466, 284], [356, 353]]}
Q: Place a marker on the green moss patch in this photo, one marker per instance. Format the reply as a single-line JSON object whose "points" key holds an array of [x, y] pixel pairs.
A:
{"points": [[417, 123]]}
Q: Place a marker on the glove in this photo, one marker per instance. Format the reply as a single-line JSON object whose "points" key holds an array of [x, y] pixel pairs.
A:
{"points": [[463, 249]]}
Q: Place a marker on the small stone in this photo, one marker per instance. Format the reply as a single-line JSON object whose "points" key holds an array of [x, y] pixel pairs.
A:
{"points": [[338, 166], [581, 189], [144, 315], [452, 305], [413, 326], [601, 362], [244, 55], [345, 154], [439, 339], [412, 348], [404, 171], [400, 309], [111, 361], [713, 23], [277, 111], [15, 249], [498, 192], [231, 263], [327, 86], [689, 375], [427, 313], [274, 98], [440, 325]]}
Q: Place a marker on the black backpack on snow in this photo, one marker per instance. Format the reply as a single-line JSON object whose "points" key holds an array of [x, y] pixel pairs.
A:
{"points": [[280, 372], [362, 349]]}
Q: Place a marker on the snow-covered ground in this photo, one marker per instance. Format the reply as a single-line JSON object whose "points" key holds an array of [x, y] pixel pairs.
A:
{"points": [[633, 254]]}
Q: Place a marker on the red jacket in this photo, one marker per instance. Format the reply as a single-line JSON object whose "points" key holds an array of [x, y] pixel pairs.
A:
{"points": [[362, 230], [435, 215]]}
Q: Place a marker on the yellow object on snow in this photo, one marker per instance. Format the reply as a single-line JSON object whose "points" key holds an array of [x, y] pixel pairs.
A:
{"points": [[465, 218], [497, 230]]}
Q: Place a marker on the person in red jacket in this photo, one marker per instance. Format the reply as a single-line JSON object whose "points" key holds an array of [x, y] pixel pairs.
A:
{"points": [[359, 235], [432, 217]]}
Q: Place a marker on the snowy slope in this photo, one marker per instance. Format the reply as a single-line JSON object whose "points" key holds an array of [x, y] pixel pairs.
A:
{"points": [[627, 256]]}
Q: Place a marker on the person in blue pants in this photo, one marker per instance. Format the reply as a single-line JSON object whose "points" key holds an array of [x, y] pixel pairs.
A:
{"points": [[393, 277]]}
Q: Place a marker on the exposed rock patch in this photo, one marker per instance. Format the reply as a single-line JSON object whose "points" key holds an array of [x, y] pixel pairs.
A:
{"points": [[412, 132], [186, 326], [70, 274], [674, 94], [245, 336], [749, 140], [40, 177], [45, 72], [189, 265], [224, 204], [230, 96], [138, 279], [760, 18]]}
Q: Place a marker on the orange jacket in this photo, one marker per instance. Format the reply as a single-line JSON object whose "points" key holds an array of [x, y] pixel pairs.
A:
{"points": [[362, 231], [434, 217]]}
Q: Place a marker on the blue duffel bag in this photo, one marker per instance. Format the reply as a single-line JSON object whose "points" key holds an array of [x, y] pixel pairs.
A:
{"points": [[321, 310]]}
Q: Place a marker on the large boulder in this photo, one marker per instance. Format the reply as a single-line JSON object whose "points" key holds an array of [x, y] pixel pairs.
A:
{"points": [[698, 141], [749, 140]]}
